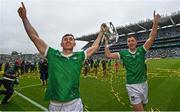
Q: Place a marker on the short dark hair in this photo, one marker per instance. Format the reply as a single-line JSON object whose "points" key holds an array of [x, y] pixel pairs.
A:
{"points": [[132, 36], [67, 35]]}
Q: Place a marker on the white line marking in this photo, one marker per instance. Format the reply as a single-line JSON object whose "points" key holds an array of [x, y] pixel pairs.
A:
{"points": [[31, 101], [27, 86]]}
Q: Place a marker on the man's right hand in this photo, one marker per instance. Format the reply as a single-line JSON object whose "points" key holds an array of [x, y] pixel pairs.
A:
{"points": [[22, 11], [104, 28], [32, 33], [156, 17]]}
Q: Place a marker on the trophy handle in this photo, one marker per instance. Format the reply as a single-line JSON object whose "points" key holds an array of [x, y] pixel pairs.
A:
{"points": [[115, 33]]}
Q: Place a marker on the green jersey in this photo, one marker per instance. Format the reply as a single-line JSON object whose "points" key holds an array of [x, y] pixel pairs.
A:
{"points": [[136, 71], [64, 75]]}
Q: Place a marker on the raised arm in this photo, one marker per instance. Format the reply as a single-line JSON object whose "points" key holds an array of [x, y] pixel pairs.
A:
{"points": [[95, 45], [33, 35], [108, 53], [153, 32]]}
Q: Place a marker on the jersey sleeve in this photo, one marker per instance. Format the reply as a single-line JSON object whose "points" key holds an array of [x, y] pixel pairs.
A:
{"points": [[143, 49], [120, 53], [83, 55], [45, 54], [51, 52]]}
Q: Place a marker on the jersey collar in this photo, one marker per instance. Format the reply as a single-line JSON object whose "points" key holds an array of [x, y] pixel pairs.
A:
{"points": [[67, 56], [132, 52]]}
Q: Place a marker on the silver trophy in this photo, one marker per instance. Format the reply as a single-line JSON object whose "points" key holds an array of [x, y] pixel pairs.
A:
{"points": [[111, 35]]}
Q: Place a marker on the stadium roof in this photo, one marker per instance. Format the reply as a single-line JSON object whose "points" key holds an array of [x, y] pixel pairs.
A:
{"points": [[141, 26]]}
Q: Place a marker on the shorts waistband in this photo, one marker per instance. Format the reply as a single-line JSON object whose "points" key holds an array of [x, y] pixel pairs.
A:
{"points": [[57, 103]]}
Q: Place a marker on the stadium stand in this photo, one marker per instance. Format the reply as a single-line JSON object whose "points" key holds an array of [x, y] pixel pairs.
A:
{"points": [[167, 43]]}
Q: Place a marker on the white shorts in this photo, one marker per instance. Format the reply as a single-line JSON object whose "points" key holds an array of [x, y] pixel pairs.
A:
{"points": [[74, 105], [138, 93]]}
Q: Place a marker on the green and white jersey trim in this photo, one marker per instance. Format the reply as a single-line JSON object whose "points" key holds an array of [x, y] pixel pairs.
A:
{"points": [[131, 52], [45, 54]]}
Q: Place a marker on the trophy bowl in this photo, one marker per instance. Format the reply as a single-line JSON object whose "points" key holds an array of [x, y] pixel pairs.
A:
{"points": [[111, 33]]}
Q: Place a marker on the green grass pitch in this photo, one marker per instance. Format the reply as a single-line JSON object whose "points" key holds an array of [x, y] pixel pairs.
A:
{"points": [[107, 93]]}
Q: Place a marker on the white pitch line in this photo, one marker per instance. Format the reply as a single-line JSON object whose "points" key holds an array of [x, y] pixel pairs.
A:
{"points": [[27, 86], [31, 101]]}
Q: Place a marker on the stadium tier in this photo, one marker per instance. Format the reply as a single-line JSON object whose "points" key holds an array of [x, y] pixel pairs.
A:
{"points": [[167, 43]]}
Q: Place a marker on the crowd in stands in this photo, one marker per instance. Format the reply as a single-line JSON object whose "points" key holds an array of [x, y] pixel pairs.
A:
{"points": [[167, 42], [164, 52]]}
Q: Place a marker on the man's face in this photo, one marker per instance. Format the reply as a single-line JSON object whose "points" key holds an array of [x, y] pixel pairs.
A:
{"points": [[68, 43], [131, 42]]}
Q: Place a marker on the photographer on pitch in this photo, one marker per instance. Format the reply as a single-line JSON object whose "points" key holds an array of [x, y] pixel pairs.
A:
{"points": [[8, 80]]}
